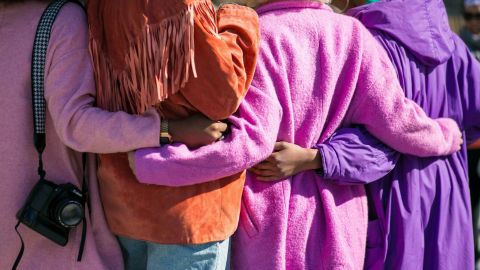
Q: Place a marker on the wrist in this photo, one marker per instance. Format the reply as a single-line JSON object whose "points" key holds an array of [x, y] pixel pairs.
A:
{"points": [[131, 161], [165, 136], [313, 159]]}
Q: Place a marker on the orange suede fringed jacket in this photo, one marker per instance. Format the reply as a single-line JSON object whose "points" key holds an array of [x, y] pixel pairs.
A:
{"points": [[180, 57]]}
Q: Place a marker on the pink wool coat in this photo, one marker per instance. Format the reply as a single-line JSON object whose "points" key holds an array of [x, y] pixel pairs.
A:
{"points": [[317, 71]]}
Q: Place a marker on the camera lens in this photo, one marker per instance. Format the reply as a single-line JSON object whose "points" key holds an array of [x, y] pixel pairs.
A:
{"points": [[69, 213]]}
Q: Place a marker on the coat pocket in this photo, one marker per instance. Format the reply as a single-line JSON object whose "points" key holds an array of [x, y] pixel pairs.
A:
{"points": [[247, 222]]}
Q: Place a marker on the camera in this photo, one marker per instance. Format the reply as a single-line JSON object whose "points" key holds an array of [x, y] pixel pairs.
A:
{"points": [[52, 210]]}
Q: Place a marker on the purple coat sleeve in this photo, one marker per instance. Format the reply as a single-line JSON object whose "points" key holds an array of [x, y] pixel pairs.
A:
{"points": [[468, 79], [354, 156]]}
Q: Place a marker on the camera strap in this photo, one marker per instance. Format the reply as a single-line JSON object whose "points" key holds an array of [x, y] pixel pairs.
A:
{"points": [[39, 55], [85, 199]]}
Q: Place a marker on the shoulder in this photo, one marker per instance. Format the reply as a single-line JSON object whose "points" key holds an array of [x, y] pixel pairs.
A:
{"points": [[461, 54], [71, 25], [72, 16], [69, 34]]}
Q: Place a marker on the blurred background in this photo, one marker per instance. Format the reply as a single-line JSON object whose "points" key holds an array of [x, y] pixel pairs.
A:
{"points": [[455, 14]]}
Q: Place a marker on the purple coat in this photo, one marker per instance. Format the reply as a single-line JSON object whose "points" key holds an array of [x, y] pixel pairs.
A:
{"points": [[420, 213]]}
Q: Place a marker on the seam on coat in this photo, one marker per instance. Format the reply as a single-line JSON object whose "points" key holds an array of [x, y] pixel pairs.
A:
{"points": [[432, 38]]}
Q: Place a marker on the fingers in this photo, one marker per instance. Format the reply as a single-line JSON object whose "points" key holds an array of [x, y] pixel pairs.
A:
{"points": [[265, 165], [273, 159], [268, 178], [279, 146], [460, 142], [261, 172], [265, 175], [217, 136], [216, 130], [220, 126]]}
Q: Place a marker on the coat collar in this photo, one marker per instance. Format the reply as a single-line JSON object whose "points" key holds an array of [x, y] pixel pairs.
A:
{"points": [[290, 4]]}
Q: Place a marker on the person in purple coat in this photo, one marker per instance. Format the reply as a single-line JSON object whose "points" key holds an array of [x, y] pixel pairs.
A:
{"points": [[420, 213]]}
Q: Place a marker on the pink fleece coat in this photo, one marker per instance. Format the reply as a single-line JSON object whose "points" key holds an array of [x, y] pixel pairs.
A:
{"points": [[317, 71]]}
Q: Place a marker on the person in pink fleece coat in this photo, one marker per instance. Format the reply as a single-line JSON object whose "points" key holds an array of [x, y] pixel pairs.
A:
{"points": [[317, 71]]}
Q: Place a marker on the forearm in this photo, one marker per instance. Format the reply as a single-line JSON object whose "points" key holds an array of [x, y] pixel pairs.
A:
{"points": [[253, 133], [404, 126], [380, 105], [69, 93], [353, 156], [93, 130]]}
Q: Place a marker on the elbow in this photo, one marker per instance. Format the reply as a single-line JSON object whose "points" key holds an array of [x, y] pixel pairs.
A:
{"points": [[76, 144], [229, 99], [224, 111], [226, 105], [262, 149]]}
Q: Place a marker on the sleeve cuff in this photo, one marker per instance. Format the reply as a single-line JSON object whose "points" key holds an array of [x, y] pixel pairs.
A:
{"points": [[328, 157]]}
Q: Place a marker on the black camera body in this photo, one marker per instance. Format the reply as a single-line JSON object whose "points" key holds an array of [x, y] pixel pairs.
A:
{"points": [[52, 210]]}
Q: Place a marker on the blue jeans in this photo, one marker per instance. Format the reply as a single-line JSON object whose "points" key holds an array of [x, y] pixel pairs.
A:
{"points": [[142, 255]]}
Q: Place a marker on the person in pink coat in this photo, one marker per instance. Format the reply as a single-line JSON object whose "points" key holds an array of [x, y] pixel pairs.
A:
{"points": [[317, 71]]}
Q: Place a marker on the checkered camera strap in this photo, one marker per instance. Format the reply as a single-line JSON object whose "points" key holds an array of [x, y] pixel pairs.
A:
{"points": [[39, 56]]}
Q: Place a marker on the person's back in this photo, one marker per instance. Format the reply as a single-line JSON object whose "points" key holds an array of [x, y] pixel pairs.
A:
{"points": [[181, 58], [314, 105], [327, 72], [18, 172], [423, 205], [72, 124]]}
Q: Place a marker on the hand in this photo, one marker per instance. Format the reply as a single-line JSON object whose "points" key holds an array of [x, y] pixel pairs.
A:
{"points": [[286, 160], [196, 130], [449, 126]]}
